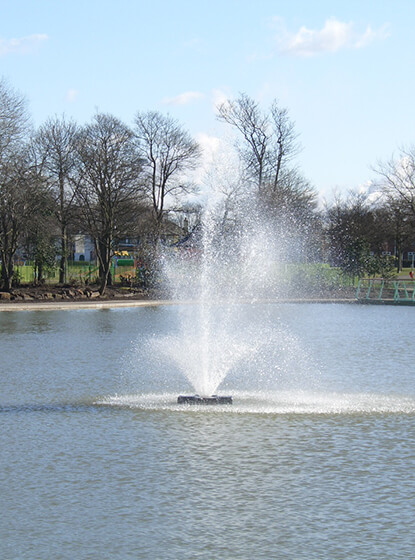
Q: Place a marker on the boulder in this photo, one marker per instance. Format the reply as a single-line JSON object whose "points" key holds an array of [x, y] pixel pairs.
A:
{"points": [[5, 296]]}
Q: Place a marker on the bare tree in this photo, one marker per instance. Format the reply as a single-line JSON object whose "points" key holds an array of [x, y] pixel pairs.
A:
{"points": [[269, 139], [397, 178], [397, 181], [15, 170], [268, 148], [108, 187], [21, 199], [39, 241], [284, 144], [356, 231], [54, 145], [395, 225], [246, 116], [167, 153], [14, 120]]}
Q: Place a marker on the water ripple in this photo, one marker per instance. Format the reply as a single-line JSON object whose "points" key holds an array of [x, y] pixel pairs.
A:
{"points": [[45, 408]]}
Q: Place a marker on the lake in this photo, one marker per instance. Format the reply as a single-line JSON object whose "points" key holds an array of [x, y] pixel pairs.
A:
{"points": [[314, 460]]}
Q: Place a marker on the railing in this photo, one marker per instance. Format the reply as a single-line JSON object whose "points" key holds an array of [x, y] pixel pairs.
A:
{"points": [[387, 291]]}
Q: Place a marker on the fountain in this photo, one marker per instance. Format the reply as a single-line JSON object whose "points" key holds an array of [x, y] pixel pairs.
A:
{"points": [[230, 262], [197, 399]]}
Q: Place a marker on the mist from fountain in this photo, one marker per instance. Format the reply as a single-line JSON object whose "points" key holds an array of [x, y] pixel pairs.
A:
{"points": [[232, 262]]}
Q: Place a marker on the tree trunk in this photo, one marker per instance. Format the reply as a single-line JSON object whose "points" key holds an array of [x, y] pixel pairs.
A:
{"points": [[40, 273], [7, 270], [104, 258], [103, 283], [399, 256], [63, 265]]}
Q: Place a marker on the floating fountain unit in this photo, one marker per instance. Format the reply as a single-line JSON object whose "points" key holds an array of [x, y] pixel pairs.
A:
{"points": [[197, 399]]}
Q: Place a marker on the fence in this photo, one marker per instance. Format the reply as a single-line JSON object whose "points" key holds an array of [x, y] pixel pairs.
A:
{"points": [[380, 290]]}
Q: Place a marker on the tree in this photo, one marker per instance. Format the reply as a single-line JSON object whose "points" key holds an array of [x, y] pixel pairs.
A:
{"points": [[40, 237], [269, 144], [17, 180], [14, 121], [354, 235], [246, 116], [293, 201], [108, 190], [54, 146], [21, 198], [393, 227], [284, 147], [397, 179], [269, 139], [167, 153]]}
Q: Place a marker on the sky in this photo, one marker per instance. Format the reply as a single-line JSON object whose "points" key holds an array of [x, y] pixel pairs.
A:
{"points": [[344, 70]]}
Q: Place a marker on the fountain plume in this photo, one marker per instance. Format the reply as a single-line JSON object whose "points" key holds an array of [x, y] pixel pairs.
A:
{"points": [[229, 262]]}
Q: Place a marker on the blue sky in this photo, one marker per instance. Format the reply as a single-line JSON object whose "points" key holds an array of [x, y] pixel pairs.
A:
{"points": [[344, 70]]}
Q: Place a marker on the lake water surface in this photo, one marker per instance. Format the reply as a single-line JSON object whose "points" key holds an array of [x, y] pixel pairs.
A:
{"points": [[314, 460]]}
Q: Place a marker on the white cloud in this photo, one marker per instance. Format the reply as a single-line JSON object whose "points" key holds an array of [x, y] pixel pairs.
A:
{"points": [[184, 98], [71, 95], [24, 45], [371, 35], [335, 35]]}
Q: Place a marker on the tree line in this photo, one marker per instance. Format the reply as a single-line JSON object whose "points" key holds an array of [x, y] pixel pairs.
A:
{"points": [[110, 181], [104, 179]]}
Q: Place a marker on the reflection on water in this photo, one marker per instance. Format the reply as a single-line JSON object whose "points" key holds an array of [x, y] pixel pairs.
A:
{"points": [[33, 322], [314, 459]]}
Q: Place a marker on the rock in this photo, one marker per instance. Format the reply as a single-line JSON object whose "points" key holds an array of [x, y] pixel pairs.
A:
{"points": [[6, 296], [94, 295]]}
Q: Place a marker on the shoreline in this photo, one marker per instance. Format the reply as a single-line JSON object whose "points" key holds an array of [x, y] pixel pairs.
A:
{"points": [[119, 303]]}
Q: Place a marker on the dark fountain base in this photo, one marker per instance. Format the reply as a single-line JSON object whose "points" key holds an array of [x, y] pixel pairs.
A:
{"points": [[196, 399]]}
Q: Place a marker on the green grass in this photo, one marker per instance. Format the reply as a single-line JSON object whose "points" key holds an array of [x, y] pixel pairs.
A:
{"points": [[77, 273], [317, 275], [405, 273]]}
